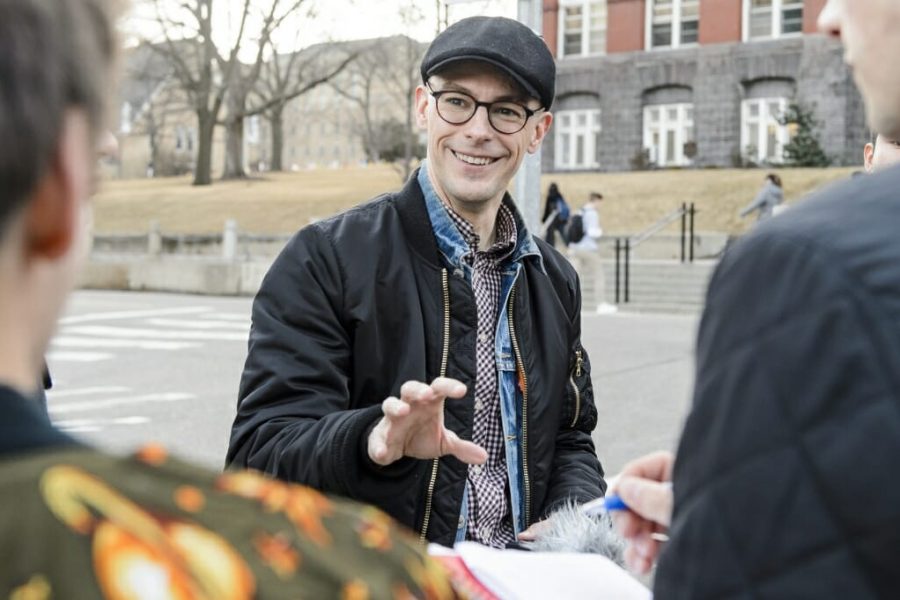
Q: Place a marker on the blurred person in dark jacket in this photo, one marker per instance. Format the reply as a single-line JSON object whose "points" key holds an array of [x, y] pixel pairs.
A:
{"points": [[785, 482]]}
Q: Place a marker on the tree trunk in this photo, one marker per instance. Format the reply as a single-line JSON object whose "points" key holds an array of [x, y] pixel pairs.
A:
{"points": [[206, 124], [234, 149], [276, 121]]}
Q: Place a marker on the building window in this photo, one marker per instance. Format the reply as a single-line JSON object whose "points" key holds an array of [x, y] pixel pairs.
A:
{"points": [[762, 137], [672, 23], [582, 28], [669, 134], [765, 19], [577, 139]]}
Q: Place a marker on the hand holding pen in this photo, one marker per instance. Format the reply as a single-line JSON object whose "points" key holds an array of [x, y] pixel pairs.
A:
{"points": [[640, 502]]}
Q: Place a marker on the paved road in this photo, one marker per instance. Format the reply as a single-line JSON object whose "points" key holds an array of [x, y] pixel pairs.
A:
{"points": [[132, 367]]}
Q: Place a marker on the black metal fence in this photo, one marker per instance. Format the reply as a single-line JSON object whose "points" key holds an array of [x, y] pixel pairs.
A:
{"points": [[624, 247]]}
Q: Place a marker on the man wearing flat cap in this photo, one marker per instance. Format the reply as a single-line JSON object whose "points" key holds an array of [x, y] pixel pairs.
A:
{"points": [[422, 352]]}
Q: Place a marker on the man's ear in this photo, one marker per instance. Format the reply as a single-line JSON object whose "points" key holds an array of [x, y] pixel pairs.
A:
{"points": [[868, 155], [540, 131], [421, 107], [52, 215]]}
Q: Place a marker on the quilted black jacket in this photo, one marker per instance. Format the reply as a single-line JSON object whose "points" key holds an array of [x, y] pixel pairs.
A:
{"points": [[787, 479], [359, 304]]}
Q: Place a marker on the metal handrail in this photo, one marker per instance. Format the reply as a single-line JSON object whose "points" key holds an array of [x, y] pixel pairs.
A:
{"points": [[639, 238], [624, 246]]}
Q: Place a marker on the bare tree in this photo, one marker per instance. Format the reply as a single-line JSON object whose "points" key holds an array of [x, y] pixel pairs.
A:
{"points": [[243, 82], [198, 68], [286, 77], [383, 79]]}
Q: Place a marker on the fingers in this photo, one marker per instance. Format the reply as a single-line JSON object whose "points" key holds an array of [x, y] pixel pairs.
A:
{"points": [[416, 391], [465, 451], [636, 562], [651, 500], [448, 388], [656, 466], [531, 534], [394, 408], [377, 445]]}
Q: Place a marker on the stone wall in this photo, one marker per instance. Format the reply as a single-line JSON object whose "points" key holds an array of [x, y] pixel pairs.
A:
{"points": [[719, 77]]}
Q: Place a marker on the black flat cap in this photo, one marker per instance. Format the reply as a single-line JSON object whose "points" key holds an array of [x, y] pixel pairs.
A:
{"points": [[504, 43]]}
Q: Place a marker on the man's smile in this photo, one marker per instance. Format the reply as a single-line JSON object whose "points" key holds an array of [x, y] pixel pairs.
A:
{"points": [[478, 161]]}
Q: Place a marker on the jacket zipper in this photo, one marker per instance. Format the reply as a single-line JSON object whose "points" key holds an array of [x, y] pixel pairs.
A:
{"points": [[521, 366], [579, 361], [429, 497]]}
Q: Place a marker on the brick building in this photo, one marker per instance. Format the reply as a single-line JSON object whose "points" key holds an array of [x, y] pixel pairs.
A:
{"points": [[699, 83]]}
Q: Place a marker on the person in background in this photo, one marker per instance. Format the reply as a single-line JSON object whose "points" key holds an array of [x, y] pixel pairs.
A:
{"points": [[785, 480], [769, 197], [76, 522], [590, 229], [584, 235], [556, 216], [881, 152]]}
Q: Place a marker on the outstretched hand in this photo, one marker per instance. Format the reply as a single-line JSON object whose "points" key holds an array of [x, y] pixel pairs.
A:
{"points": [[413, 425]]}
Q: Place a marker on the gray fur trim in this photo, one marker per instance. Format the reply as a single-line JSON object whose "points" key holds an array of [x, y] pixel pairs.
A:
{"points": [[569, 530]]}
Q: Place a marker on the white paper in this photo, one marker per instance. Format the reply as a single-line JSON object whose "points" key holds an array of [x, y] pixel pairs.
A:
{"points": [[518, 575]]}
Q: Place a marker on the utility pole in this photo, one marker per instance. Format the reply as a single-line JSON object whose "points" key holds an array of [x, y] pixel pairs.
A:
{"points": [[527, 191]]}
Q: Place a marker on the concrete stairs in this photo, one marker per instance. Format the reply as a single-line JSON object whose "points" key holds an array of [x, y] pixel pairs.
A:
{"points": [[656, 286]]}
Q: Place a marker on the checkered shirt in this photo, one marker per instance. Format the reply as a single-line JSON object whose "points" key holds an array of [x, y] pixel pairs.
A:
{"points": [[489, 515]]}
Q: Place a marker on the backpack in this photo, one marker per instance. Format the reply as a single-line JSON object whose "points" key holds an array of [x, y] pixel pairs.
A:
{"points": [[562, 209], [575, 230]]}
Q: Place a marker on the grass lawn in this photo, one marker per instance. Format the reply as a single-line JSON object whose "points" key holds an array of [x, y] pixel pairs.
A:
{"points": [[284, 202]]}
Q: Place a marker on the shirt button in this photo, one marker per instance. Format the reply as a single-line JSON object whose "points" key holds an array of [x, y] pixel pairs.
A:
{"points": [[485, 532], [476, 469], [482, 337], [462, 521], [479, 405]]}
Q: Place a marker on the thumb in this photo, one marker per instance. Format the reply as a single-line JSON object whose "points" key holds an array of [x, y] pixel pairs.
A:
{"points": [[649, 499]]}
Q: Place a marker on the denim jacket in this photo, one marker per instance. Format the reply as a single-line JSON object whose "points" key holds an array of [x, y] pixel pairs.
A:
{"points": [[453, 248]]}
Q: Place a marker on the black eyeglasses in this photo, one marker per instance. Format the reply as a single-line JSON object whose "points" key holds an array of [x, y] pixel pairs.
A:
{"points": [[504, 116]]}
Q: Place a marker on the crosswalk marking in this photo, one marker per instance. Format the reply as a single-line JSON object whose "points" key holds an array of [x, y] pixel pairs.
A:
{"points": [[165, 334], [201, 324], [85, 357], [133, 314], [87, 391], [226, 316], [66, 341], [84, 338], [70, 407], [70, 424]]}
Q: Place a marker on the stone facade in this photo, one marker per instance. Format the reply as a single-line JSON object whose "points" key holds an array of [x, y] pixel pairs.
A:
{"points": [[718, 77], [714, 76]]}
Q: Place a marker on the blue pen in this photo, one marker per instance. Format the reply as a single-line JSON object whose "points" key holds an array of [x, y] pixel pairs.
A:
{"points": [[603, 505]]}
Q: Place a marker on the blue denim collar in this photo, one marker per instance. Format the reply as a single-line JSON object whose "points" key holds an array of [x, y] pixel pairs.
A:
{"points": [[451, 242]]}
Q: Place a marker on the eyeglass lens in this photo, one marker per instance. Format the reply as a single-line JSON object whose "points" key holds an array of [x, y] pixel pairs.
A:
{"points": [[456, 108]]}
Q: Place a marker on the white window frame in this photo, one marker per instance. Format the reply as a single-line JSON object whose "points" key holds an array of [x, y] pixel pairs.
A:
{"points": [[565, 123], [763, 120], [676, 27], [682, 127], [586, 30], [775, 31]]}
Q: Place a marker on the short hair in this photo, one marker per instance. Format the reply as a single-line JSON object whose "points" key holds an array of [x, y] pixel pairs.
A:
{"points": [[774, 179], [54, 55], [596, 195]]}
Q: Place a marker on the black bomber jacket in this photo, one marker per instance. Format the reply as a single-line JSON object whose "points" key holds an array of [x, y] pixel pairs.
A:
{"points": [[357, 305]]}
